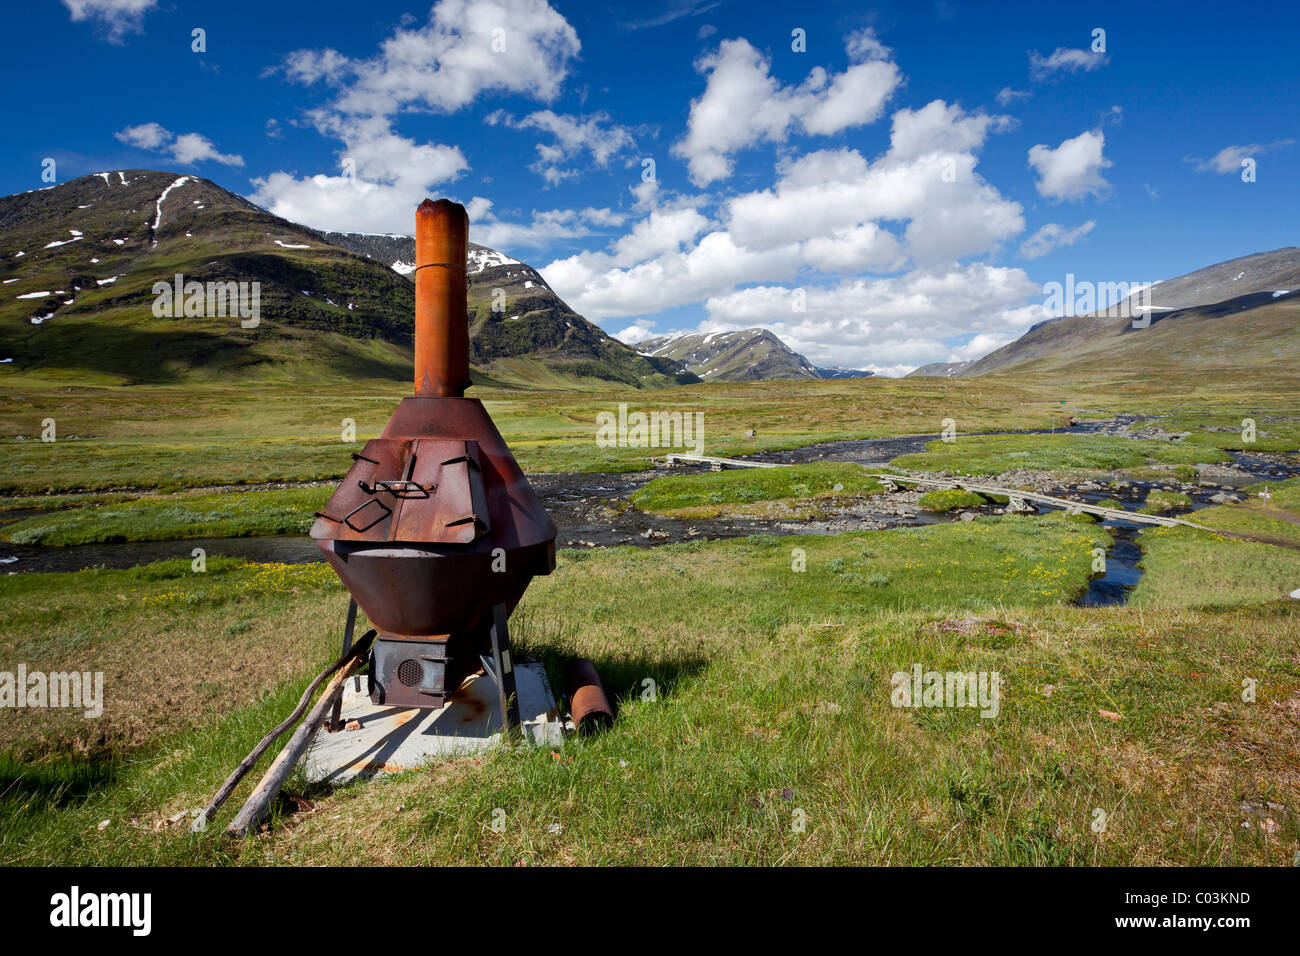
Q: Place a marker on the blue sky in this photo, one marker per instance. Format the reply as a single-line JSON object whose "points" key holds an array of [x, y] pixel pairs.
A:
{"points": [[896, 193]]}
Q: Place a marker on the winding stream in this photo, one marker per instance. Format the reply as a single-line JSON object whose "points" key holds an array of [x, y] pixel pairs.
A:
{"points": [[590, 510]]}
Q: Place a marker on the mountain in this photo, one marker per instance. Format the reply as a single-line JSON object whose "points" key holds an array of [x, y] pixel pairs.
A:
{"points": [[843, 373], [744, 356], [1243, 313], [533, 336], [941, 369], [398, 251], [79, 263]]}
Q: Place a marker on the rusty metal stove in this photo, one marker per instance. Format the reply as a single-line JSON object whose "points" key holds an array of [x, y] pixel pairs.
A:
{"points": [[435, 531]]}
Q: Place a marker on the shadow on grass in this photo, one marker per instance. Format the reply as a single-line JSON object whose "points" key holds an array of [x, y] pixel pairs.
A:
{"points": [[54, 783], [625, 678]]}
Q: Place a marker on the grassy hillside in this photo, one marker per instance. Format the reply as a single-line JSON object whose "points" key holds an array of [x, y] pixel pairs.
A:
{"points": [[520, 330], [1257, 333], [1237, 316], [78, 263], [533, 337], [325, 313]]}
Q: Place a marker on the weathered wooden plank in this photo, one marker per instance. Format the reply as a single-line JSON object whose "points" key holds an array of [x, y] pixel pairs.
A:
{"points": [[729, 462], [1068, 503]]}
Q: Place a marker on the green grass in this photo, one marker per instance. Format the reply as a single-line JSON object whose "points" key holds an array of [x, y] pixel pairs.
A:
{"points": [[771, 682], [780, 704], [14, 503], [1163, 502], [1081, 517], [994, 454], [174, 645], [1228, 430], [230, 514], [170, 437], [948, 499], [1186, 566], [1277, 517], [713, 492]]}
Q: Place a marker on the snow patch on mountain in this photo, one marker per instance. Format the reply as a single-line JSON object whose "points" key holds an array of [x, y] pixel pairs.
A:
{"points": [[737, 356], [480, 259], [157, 221]]}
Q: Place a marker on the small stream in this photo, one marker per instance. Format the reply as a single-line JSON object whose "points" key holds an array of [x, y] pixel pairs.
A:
{"points": [[285, 548], [1123, 560]]}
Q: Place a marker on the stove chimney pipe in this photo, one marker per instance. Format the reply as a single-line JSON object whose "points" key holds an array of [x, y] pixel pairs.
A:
{"points": [[441, 312]]}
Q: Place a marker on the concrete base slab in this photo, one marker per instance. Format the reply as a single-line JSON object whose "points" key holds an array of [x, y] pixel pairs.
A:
{"points": [[392, 739]]}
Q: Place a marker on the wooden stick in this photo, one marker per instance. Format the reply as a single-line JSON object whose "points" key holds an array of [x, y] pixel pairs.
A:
{"points": [[222, 795], [259, 801]]}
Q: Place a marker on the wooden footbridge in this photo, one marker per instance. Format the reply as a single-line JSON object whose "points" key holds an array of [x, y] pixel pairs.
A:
{"points": [[717, 464], [1018, 500]]}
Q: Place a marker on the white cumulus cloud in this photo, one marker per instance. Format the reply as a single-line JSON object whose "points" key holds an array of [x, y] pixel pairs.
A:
{"points": [[1053, 236], [1064, 60], [596, 135], [890, 324], [743, 104], [1073, 169], [185, 148], [117, 17], [636, 333], [466, 49], [1228, 159], [830, 213], [831, 219]]}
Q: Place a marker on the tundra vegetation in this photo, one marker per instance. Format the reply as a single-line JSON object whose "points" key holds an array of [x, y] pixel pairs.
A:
{"points": [[1164, 502], [735, 492], [771, 737], [950, 499], [994, 454]]}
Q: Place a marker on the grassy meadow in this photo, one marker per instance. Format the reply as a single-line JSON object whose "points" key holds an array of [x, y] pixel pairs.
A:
{"points": [[753, 491], [167, 438], [994, 454], [771, 737], [174, 517], [778, 701]]}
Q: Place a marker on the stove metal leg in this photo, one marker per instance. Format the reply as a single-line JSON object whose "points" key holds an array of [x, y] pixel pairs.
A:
{"points": [[504, 671], [336, 717]]}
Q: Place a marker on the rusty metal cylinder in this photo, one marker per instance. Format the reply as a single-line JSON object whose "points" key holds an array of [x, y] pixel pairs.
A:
{"points": [[441, 314], [587, 701]]}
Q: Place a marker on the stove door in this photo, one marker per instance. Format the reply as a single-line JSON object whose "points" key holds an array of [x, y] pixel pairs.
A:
{"points": [[422, 491], [454, 513], [356, 511]]}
